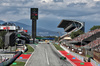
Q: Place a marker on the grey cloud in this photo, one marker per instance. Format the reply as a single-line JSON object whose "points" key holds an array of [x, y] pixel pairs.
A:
{"points": [[8, 1], [67, 10], [43, 1], [97, 5], [8, 9], [74, 12], [77, 4], [57, 0], [15, 3]]}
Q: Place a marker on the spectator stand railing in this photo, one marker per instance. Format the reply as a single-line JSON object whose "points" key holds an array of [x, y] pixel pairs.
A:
{"points": [[72, 53], [94, 63], [77, 56]]}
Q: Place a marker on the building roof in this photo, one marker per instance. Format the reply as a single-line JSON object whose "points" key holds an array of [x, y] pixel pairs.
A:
{"points": [[69, 25], [65, 23]]}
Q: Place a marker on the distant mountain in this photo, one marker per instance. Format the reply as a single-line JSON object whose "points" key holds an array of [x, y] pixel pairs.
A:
{"points": [[25, 21], [1, 22], [21, 25], [24, 26], [40, 31], [45, 32]]}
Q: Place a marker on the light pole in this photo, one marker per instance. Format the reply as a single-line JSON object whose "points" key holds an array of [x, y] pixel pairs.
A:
{"points": [[81, 43], [59, 36]]}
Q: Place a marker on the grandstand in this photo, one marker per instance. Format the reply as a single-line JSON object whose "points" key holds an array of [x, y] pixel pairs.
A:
{"points": [[88, 37], [86, 44], [94, 44], [69, 27], [73, 26]]}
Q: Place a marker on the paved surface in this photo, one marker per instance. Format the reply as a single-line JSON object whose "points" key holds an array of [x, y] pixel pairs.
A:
{"points": [[21, 60], [45, 56]]}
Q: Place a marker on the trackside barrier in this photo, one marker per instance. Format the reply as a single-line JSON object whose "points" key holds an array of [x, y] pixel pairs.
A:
{"points": [[72, 53], [25, 49], [77, 56], [7, 63], [64, 48], [94, 63]]}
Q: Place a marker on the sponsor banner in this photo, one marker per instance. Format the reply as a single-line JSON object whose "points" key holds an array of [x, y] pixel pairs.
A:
{"points": [[7, 27], [25, 31], [22, 31]]}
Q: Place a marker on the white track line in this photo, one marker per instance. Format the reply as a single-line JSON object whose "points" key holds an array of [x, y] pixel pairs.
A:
{"points": [[60, 53], [47, 57], [30, 56]]}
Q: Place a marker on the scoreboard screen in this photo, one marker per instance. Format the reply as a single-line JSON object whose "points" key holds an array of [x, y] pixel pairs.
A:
{"points": [[34, 13]]}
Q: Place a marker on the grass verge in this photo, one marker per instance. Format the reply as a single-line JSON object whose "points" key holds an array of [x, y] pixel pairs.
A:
{"points": [[58, 47], [17, 63], [88, 56], [30, 49]]}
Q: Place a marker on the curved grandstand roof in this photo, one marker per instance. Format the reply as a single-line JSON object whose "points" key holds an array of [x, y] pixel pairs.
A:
{"points": [[69, 25], [64, 23]]}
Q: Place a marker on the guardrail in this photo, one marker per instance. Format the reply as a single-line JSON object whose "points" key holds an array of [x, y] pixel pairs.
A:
{"points": [[74, 54], [10, 61], [64, 48], [77, 56], [24, 49], [94, 63]]}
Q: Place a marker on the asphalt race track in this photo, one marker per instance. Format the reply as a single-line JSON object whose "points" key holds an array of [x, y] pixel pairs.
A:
{"points": [[45, 56]]}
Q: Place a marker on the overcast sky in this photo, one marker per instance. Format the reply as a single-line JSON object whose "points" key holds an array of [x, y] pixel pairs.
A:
{"points": [[52, 10]]}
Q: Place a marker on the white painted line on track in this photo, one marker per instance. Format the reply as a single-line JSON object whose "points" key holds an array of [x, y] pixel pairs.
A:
{"points": [[29, 57], [47, 57], [60, 53], [36, 45]]}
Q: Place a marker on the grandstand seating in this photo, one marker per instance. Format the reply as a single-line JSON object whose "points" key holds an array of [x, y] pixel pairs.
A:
{"points": [[98, 48], [94, 43], [86, 35]]}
